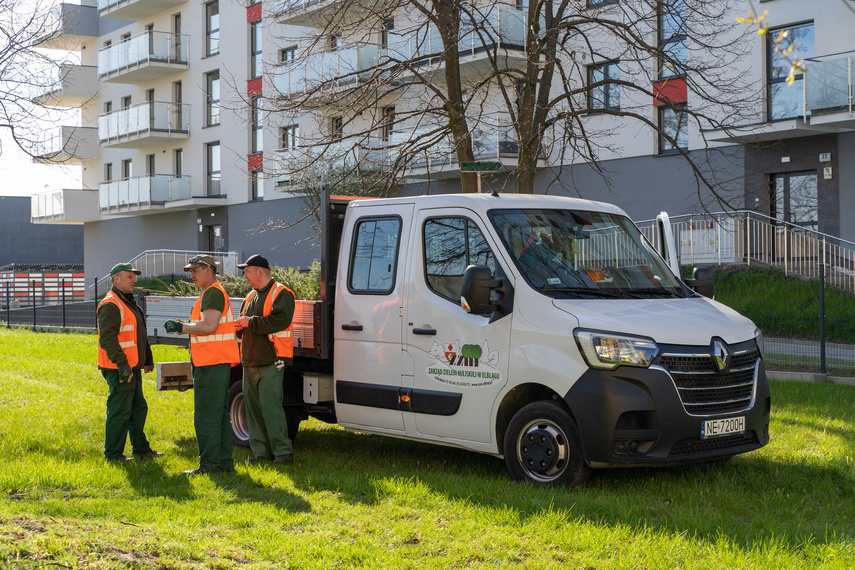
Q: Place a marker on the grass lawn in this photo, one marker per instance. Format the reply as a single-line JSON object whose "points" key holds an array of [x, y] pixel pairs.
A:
{"points": [[360, 501]]}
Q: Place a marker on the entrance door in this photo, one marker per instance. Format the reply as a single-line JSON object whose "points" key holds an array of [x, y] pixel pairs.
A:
{"points": [[368, 320], [460, 360], [794, 198], [216, 241]]}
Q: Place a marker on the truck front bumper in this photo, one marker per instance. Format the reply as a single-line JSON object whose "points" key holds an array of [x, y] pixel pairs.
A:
{"points": [[635, 416]]}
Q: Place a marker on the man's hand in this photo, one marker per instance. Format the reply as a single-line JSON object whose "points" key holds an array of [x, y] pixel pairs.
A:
{"points": [[148, 368], [176, 327], [125, 372], [241, 322]]}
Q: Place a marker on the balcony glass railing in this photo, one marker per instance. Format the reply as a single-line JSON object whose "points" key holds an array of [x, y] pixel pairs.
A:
{"points": [[144, 118], [143, 191], [160, 47], [829, 84], [47, 205], [343, 65]]}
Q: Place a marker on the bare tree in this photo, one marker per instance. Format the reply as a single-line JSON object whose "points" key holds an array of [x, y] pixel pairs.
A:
{"points": [[546, 83], [29, 74]]}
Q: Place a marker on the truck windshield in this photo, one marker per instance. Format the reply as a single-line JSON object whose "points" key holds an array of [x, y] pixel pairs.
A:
{"points": [[571, 254]]}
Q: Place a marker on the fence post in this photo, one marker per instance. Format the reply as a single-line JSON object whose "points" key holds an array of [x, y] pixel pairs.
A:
{"points": [[96, 288], [63, 302], [34, 304], [822, 368], [8, 306]]}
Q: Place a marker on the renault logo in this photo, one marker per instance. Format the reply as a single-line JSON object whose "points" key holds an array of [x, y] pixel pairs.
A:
{"points": [[721, 354]]}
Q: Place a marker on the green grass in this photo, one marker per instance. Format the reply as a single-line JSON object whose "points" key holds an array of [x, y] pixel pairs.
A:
{"points": [[785, 306], [360, 501]]}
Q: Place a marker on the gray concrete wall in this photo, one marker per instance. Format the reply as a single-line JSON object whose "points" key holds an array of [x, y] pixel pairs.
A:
{"points": [[23, 242]]}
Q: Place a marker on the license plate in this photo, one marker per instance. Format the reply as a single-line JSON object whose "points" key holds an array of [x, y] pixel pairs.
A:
{"points": [[715, 428]]}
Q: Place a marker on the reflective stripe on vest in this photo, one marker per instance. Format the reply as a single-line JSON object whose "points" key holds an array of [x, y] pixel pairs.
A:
{"points": [[127, 336], [283, 341], [219, 347]]}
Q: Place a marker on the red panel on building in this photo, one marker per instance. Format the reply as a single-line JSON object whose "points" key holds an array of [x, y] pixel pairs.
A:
{"points": [[253, 87], [255, 161], [253, 13], [670, 91]]}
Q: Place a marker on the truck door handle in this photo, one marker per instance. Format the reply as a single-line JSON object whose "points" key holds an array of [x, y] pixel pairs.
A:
{"points": [[346, 327], [429, 332]]}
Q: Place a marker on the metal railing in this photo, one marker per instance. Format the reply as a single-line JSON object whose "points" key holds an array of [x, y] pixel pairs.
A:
{"points": [[142, 191], [144, 119], [749, 237], [149, 46], [161, 262]]}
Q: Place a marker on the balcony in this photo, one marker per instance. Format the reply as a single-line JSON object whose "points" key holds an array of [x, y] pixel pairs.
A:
{"points": [[145, 124], [144, 57], [69, 25], [64, 207], [67, 145], [823, 102], [317, 13], [134, 9], [151, 194], [68, 85], [345, 66], [503, 28]]}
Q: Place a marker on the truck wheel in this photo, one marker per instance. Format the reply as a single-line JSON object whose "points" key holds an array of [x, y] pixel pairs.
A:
{"points": [[237, 412], [293, 417], [542, 445]]}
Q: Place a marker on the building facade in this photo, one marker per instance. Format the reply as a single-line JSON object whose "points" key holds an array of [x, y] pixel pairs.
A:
{"points": [[186, 131]]}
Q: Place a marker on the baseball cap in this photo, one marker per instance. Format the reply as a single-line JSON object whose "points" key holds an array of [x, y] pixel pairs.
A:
{"points": [[254, 261], [124, 267], [199, 261]]}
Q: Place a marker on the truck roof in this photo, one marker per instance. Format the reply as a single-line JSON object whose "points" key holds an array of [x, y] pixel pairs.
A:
{"points": [[484, 202]]}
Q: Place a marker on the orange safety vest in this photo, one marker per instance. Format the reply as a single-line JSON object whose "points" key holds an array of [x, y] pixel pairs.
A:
{"points": [[219, 347], [127, 334], [283, 341]]}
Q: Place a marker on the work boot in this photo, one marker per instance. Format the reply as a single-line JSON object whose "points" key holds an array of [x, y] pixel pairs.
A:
{"points": [[284, 459], [257, 459], [148, 455], [119, 459]]}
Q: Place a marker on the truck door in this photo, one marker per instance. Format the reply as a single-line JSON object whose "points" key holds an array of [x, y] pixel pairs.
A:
{"points": [[368, 318], [460, 361]]}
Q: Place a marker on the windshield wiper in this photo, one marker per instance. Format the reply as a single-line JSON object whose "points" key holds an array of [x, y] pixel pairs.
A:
{"points": [[582, 291], [655, 291]]}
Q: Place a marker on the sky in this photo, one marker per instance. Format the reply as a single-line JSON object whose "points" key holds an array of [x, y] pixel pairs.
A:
{"points": [[19, 176]]}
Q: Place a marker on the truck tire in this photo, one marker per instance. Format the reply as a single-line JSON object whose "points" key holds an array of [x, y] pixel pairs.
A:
{"points": [[293, 417], [542, 445], [237, 413]]}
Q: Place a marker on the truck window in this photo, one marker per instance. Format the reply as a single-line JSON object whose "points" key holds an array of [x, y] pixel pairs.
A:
{"points": [[451, 245], [374, 258]]}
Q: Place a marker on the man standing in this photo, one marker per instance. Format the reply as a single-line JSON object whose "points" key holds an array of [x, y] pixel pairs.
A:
{"points": [[123, 350], [266, 347], [213, 351]]}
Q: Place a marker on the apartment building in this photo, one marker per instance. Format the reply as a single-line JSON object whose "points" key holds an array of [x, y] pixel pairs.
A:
{"points": [[189, 133]]}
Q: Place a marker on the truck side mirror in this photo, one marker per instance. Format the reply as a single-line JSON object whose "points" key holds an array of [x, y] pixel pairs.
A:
{"points": [[702, 281], [477, 292]]}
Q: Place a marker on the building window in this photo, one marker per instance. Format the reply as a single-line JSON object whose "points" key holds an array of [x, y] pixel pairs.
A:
{"points": [[108, 172], [288, 54], [212, 107], [336, 128], [334, 41], [127, 168], [786, 101], [126, 102], [288, 137], [598, 3], [603, 89], [108, 107], [213, 168], [671, 19], [149, 164], [179, 162], [256, 186], [255, 43], [673, 129], [212, 27], [257, 127], [387, 124]]}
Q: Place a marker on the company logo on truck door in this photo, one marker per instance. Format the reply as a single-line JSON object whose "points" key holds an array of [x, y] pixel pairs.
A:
{"points": [[466, 365]]}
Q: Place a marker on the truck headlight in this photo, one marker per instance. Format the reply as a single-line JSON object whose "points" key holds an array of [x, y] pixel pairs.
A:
{"points": [[608, 350], [758, 337]]}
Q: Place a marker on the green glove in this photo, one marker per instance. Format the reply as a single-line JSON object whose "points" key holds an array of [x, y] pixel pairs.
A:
{"points": [[176, 327], [125, 372]]}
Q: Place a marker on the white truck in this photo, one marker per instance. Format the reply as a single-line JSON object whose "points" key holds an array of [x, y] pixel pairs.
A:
{"points": [[545, 330]]}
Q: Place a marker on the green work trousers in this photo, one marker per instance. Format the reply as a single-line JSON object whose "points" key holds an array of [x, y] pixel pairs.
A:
{"points": [[126, 413], [211, 417], [263, 394]]}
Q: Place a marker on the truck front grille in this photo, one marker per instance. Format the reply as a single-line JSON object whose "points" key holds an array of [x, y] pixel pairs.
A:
{"points": [[691, 446], [705, 390]]}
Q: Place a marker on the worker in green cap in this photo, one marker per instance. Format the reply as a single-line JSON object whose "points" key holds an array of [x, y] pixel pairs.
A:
{"points": [[123, 351], [213, 352]]}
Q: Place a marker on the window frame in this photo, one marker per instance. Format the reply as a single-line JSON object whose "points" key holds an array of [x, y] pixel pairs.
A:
{"points": [[291, 134], [466, 229], [396, 257], [683, 123], [212, 104], [256, 41], [773, 81], [212, 34], [210, 174], [606, 88], [664, 43]]}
